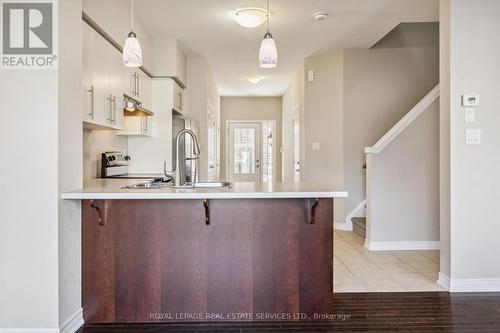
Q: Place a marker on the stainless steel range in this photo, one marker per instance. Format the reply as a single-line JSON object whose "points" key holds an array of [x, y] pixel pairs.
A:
{"points": [[114, 164]]}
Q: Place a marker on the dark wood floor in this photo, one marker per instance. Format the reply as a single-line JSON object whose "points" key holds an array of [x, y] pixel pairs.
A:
{"points": [[366, 312]]}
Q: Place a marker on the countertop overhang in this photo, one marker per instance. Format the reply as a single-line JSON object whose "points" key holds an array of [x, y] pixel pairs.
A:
{"points": [[112, 189]]}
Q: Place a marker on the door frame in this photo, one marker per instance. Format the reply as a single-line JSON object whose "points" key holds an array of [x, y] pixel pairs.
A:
{"points": [[273, 126]]}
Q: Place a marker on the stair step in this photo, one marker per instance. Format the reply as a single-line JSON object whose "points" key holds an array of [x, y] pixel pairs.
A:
{"points": [[359, 226]]}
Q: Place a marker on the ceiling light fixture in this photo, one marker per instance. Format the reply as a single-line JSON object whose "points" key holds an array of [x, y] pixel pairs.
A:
{"points": [[320, 16], [250, 17], [268, 53], [254, 79], [132, 52]]}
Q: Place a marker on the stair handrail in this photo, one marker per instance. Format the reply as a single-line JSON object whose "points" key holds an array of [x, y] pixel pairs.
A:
{"points": [[400, 126]]}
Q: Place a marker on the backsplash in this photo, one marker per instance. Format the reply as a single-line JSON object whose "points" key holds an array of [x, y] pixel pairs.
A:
{"points": [[94, 144]]}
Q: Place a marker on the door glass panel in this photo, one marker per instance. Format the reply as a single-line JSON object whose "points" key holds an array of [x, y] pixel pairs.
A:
{"points": [[244, 151], [267, 155]]}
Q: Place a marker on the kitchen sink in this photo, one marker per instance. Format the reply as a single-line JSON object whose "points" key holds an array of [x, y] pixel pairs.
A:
{"points": [[163, 184]]}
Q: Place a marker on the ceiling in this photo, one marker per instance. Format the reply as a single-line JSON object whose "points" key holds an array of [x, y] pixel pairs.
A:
{"points": [[206, 28]]}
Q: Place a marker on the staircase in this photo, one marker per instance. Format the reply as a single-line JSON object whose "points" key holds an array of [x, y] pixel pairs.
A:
{"points": [[359, 226]]}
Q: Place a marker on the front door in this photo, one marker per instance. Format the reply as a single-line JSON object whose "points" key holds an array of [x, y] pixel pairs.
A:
{"points": [[244, 152]]}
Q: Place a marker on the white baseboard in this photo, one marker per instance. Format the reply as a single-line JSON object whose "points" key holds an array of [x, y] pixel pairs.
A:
{"points": [[401, 246], [359, 211], [29, 330], [342, 226], [474, 285], [73, 323], [444, 281]]}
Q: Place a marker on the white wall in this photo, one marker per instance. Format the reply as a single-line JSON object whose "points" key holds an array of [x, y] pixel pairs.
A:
{"points": [[70, 158], [403, 185], [201, 93], [149, 153], [251, 108], [39, 280], [381, 85], [293, 102], [444, 137], [94, 144], [474, 177], [323, 123]]}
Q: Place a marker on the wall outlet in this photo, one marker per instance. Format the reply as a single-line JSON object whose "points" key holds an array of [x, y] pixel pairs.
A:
{"points": [[470, 115], [315, 146], [473, 136]]}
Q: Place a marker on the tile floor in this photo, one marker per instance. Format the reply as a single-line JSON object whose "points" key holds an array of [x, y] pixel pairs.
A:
{"points": [[358, 270]]}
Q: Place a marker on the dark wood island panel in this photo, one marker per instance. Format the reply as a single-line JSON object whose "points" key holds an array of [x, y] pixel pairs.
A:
{"points": [[161, 261]]}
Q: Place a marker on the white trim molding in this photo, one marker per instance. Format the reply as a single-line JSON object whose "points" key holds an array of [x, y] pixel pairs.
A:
{"points": [[342, 226], [468, 285], [29, 330], [474, 285], [443, 281], [401, 245], [404, 122], [359, 211], [73, 323]]}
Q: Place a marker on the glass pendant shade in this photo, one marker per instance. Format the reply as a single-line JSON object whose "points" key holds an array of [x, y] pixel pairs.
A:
{"points": [[268, 54], [132, 52]]}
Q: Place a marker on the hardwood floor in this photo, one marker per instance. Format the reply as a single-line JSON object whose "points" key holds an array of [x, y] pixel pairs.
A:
{"points": [[366, 312]]}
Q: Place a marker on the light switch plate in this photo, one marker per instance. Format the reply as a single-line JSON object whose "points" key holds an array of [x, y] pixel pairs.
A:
{"points": [[470, 115], [473, 136], [315, 146]]}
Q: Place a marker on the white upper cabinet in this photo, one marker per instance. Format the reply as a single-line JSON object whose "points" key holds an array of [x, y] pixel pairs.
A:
{"points": [[139, 86], [178, 95], [102, 82], [169, 60], [137, 126]]}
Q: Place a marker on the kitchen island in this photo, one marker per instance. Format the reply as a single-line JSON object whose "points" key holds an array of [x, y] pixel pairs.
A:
{"points": [[252, 252]]}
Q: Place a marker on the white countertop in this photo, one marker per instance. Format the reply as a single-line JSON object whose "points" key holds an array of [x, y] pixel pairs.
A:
{"points": [[113, 189]]}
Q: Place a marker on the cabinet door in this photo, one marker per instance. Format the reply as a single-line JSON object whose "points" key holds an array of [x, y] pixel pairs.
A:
{"points": [[100, 80], [147, 123], [136, 126], [146, 90], [130, 81], [87, 87], [116, 72], [178, 102]]}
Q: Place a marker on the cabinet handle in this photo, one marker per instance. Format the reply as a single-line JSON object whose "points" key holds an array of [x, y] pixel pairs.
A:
{"points": [[91, 91], [109, 98], [138, 87], [145, 121], [113, 108], [314, 205], [100, 220], [207, 211]]}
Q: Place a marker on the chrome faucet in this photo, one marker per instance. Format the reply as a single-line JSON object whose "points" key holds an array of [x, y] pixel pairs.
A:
{"points": [[176, 172]]}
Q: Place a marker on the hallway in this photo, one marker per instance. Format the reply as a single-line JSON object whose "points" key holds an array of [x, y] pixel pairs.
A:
{"points": [[358, 270]]}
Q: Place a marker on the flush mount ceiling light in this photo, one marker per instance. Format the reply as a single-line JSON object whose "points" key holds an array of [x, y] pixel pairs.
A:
{"points": [[268, 54], [320, 16], [254, 79], [132, 52], [250, 17]]}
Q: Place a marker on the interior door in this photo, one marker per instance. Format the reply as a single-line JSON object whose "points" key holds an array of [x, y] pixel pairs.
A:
{"points": [[244, 152], [296, 149]]}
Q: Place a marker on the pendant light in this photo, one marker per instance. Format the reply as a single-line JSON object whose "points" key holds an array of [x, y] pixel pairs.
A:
{"points": [[268, 54], [132, 53]]}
